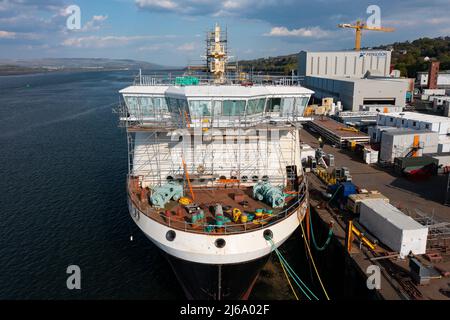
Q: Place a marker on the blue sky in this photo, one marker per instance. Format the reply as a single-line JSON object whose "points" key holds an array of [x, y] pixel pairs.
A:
{"points": [[171, 32]]}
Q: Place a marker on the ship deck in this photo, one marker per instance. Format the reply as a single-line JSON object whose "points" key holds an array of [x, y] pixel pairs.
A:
{"points": [[176, 215]]}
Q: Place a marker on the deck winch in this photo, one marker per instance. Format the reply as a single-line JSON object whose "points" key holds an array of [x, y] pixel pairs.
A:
{"points": [[264, 191], [163, 194]]}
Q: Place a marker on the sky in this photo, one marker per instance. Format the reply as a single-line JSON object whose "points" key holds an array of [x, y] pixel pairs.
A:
{"points": [[172, 32]]}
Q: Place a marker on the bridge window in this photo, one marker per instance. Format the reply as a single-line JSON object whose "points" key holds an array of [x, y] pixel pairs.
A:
{"points": [[161, 104], [255, 106], [176, 105], [217, 107], [273, 105], [147, 106], [300, 105], [287, 107], [200, 108], [132, 105], [233, 108], [142, 106]]}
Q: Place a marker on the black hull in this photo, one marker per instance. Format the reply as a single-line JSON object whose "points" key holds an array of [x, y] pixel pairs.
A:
{"points": [[217, 282]]}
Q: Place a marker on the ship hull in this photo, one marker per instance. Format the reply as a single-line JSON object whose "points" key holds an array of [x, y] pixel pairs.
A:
{"points": [[210, 272], [217, 282]]}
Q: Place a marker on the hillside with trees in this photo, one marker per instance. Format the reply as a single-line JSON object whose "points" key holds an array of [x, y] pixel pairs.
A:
{"points": [[408, 57]]}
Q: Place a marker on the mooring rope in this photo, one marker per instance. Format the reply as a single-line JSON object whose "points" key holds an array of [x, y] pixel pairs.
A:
{"points": [[314, 264], [292, 273]]}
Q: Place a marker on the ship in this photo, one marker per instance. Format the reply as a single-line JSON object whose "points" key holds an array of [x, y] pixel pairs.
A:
{"points": [[215, 177]]}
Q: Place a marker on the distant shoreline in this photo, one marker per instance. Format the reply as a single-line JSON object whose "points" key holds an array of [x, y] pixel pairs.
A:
{"points": [[19, 71]]}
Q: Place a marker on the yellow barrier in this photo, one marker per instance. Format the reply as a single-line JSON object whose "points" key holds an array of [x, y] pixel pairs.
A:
{"points": [[326, 177]]}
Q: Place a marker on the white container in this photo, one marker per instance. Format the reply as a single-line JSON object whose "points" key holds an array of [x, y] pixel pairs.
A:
{"points": [[398, 143], [393, 228], [305, 151], [435, 92], [443, 147], [370, 156]]}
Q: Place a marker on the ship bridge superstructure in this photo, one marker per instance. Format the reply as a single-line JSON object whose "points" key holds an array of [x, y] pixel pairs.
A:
{"points": [[212, 106], [244, 133]]}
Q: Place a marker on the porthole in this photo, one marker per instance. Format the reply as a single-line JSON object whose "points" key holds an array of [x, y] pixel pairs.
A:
{"points": [[244, 178], [255, 178], [171, 235], [169, 178], [222, 178], [265, 178], [268, 234], [220, 243]]}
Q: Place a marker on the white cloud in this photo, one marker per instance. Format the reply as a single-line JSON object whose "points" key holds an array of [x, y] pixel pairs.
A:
{"points": [[95, 23], [7, 35], [310, 32], [99, 18], [191, 46], [206, 7], [150, 48], [107, 41], [162, 4]]}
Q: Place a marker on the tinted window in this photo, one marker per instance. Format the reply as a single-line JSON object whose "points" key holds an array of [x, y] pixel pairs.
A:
{"points": [[233, 108]]}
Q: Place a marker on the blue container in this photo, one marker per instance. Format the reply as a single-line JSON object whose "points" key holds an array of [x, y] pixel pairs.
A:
{"points": [[347, 189], [343, 189]]}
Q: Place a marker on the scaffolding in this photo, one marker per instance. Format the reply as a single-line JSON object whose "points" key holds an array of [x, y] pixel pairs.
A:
{"points": [[248, 156], [438, 231], [229, 138]]}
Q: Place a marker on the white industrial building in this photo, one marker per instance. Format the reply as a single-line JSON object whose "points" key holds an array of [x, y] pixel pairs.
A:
{"points": [[419, 121], [438, 102], [353, 64], [357, 92], [443, 80], [356, 78]]}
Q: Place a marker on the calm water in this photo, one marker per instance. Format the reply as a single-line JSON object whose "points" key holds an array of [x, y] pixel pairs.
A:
{"points": [[63, 163]]}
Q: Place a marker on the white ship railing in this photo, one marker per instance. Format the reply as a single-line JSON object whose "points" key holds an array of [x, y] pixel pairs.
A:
{"points": [[204, 80]]}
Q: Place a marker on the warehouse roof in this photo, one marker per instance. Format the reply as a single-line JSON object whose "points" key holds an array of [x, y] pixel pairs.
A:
{"points": [[405, 131], [417, 116]]}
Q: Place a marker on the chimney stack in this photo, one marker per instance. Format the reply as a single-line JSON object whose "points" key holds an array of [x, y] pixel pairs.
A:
{"points": [[433, 73]]}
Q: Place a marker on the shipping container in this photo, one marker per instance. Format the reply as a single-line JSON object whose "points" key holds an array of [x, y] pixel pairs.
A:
{"points": [[306, 151], [399, 143], [393, 228], [402, 163], [370, 156]]}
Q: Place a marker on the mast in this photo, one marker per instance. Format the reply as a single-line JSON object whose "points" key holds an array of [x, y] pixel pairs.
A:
{"points": [[217, 55]]}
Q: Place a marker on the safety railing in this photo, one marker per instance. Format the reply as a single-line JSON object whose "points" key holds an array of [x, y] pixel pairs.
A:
{"points": [[226, 228], [251, 80]]}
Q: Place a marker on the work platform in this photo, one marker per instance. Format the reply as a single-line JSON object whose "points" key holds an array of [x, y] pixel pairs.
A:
{"points": [[337, 133]]}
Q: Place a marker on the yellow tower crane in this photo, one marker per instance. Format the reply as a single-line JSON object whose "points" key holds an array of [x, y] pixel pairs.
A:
{"points": [[359, 26]]}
